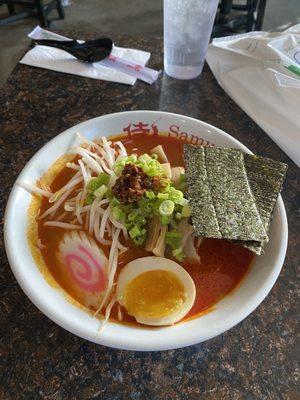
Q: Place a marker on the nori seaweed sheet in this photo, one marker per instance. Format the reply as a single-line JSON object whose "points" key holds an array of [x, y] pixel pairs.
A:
{"points": [[265, 177], [221, 200]]}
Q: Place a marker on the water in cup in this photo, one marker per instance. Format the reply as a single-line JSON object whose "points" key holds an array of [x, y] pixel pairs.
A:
{"points": [[187, 29]]}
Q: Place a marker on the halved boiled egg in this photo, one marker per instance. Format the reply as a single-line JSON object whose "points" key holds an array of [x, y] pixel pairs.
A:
{"points": [[155, 290]]}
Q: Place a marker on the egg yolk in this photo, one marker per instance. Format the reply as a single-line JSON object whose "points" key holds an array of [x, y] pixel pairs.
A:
{"points": [[154, 294]]}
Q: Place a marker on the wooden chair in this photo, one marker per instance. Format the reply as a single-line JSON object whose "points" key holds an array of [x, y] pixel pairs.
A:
{"points": [[35, 8]]}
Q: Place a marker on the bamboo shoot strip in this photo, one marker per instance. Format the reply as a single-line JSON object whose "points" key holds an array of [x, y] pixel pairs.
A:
{"points": [[221, 200]]}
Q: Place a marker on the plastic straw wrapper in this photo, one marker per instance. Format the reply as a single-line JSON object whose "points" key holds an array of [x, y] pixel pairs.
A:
{"points": [[138, 71]]}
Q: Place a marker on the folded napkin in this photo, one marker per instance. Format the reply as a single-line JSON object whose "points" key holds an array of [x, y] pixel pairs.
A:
{"points": [[261, 72], [59, 60]]}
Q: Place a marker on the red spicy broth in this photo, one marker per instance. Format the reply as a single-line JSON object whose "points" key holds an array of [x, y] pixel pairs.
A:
{"points": [[223, 264]]}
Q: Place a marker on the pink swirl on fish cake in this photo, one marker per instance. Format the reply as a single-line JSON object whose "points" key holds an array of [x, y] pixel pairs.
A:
{"points": [[85, 270]]}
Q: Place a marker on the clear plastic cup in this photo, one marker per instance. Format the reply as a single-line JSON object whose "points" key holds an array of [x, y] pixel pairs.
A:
{"points": [[187, 29]]}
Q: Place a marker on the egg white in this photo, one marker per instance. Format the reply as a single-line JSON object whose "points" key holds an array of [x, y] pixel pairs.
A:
{"points": [[145, 264]]}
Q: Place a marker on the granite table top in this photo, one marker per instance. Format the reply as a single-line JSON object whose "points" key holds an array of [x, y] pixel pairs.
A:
{"points": [[39, 360]]}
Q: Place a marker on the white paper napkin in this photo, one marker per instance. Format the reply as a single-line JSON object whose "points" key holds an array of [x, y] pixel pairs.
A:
{"points": [[58, 60], [261, 72]]}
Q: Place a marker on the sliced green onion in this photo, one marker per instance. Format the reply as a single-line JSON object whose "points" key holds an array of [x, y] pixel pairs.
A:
{"points": [[165, 220], [150, 194], [103, 178], [173, 239], [92, 185], [145, 158], [134, 232], [139, 240], [175, 195], [133, 215], [129, 225], [166, 208], [110, 196], [120, 164], [165, 185], [141, 220], [89, 199], [95, 183], [146, 205], [163, 196], [178, 254], [114, 201], [100, 192], [118, 214]]}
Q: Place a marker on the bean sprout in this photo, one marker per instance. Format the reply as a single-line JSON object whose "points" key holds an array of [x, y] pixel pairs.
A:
{"points": [[64, 225], [56, 205], [34, 189], [77, 214]]}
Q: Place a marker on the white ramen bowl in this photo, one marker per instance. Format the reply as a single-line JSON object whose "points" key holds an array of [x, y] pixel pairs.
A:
{"points": [[52, 301]]}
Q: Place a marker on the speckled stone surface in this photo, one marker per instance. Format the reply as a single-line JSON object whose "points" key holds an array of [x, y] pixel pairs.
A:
{"points": [[39, 360]]}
